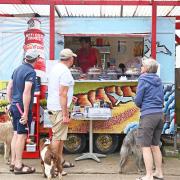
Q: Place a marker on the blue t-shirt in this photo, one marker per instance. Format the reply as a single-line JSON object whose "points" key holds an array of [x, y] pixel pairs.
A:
{"points": [[24, 73]]}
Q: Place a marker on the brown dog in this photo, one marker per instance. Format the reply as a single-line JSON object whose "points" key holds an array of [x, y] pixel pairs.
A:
{"points": [[6, 134], [50, 161]]}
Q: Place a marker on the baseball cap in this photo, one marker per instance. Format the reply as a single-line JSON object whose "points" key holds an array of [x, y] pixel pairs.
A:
{"points": [[67, 53], [31, 55]]}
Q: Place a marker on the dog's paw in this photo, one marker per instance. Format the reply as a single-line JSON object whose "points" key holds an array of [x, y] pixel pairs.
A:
{"points": [[140, 171], [60, 176], [120, 171], [7, 162]]}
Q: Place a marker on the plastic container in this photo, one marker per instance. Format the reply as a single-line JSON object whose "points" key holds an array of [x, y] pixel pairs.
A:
{"points": [[30, 147], [32, 131]]}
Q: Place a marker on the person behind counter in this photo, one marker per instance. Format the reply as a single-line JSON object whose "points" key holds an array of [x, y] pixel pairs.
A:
{"points": [[87, 56], [122, 67]]}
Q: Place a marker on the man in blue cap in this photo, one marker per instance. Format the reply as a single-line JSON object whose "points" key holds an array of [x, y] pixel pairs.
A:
{"points": [[21, 90]]}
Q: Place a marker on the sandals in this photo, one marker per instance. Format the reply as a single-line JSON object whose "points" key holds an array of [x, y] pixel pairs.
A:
{"points": [[156, 177], [64, 173], [11, 167], [139, 178], [67, 164], [21, 170]]}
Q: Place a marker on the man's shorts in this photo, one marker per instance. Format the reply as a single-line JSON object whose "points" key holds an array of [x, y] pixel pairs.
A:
{"points": [[150, 129], [17, 126], [59, 129]]}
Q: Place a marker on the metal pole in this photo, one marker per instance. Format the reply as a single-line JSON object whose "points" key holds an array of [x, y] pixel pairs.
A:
{"points": [[90, 137], [52, 31], [175, 133], [175, 138], [153, 32]]}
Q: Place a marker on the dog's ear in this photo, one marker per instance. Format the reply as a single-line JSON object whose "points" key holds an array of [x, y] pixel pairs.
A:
{"points": [[47, 159], [44, 140], [41, 143], [52, 155], [55, 157]]}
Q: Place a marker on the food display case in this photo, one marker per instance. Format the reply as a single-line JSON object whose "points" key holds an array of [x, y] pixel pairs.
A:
{"points": [[117, 95], [76, 72]]}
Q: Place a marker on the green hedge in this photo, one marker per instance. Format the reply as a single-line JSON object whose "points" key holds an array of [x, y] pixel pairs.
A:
{"points": [[3, 103], [43, 103]]}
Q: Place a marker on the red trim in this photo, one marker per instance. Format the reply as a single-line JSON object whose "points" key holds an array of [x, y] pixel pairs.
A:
{"points": [[6, 15], [102, 2], [178, 25], [11, 2], [52, 31], [167, 3], [92, 2], [153, 33], [108, 35], [177, 39]]}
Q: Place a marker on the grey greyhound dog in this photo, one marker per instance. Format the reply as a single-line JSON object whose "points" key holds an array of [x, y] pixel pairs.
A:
{"points": [[129, 147]]}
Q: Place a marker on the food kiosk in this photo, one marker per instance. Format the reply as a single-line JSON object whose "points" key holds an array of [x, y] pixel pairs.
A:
{"points": [[126, 40], [122, 40]]}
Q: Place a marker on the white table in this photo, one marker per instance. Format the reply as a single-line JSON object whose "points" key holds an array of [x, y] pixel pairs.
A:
{"points": [[90, 154], [3, 94]]}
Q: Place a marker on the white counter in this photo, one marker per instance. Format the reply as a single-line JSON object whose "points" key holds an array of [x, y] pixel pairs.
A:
{"points": [[123, 81]]}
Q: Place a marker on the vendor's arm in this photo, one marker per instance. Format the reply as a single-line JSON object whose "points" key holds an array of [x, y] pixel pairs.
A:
{"points": [[139, 93], [9, 90], [98, 58]]}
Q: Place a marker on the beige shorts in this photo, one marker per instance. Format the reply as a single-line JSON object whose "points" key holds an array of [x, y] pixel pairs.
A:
{"points": [[59, 129]]}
